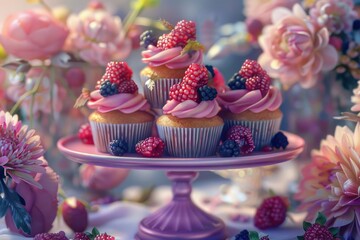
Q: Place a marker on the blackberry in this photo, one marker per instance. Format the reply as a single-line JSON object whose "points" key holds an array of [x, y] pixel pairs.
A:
{"points": [[207, 93], [211, 70], [243, 235], [148, 38], [237, 82], [279, 140], [229, 148], [119, 147], [108, 89]]}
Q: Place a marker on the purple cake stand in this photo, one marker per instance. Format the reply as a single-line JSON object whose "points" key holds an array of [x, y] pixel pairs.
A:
{"points": [[181, 218]]}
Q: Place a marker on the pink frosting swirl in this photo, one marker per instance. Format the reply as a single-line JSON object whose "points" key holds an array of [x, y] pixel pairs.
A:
{"points": [[238, 101], [191, 109], [171, 58], [123, 102]]}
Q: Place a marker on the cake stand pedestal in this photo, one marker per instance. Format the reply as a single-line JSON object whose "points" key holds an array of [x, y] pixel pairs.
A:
{"points": [[181, 218]]}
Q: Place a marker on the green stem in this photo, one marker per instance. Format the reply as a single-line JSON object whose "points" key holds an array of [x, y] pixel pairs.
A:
{"points": [[44, 5], [52, 84], [131, 17]]}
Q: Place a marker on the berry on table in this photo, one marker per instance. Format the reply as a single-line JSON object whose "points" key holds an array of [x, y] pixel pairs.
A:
{"points": [[266, 148], [85, 134], [243, 235], [119, 147], [75, 214], [148, 38], [128, 87], [104, 236], [229, 148], [108, 89], [237, 82], [182, 92], [81, 236], [196, 75], [150, 147], [250, 68], [207, 93], [279, 140], [243, 137], [271, 213], [51, 236]]}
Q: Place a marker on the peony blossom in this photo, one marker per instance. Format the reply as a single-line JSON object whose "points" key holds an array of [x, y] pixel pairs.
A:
{"points": [[294, 49], [356, 99], [33, 35], [41, 204], [331, 182], [20, 150], [97, 36], [335, 15], [42, 99], [102, 178]]}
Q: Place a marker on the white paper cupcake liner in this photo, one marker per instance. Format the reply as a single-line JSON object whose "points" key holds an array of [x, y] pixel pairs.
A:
{"points": [[158, 96], [104, 133], [262, 130], [190, 142]]}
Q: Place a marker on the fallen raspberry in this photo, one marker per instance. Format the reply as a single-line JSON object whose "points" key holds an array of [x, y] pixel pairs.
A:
{"points": [[150, 147], [271, 213], [85, 134]]}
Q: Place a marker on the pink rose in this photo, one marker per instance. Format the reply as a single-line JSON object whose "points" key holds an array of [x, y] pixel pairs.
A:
{"points": [[102, 178], [33, 35], [294, 49], [41, 204]]}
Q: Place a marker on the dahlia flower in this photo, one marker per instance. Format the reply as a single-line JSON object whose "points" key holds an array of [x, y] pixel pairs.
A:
{"points": [[331, 182], [295, 49], [97, 36], [20, 150], [335, 15]]}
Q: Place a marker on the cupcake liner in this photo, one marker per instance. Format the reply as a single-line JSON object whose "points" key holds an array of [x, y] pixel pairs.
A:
{"points": [[262, 130], [190, 142], [158, 96], [104, 133]]}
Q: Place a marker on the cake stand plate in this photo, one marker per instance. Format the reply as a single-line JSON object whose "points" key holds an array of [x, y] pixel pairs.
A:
{"points": [[181, 218]]}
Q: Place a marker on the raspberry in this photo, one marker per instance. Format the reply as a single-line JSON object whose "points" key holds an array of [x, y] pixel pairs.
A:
{"points": [[260, 82], [148, 38], [237, 82], [196, 75], [116, 72], [104, 236], [85, 134], [243, 137], [119, 147], [229, 148], [207, 93], [108, 89], [181, 93], [51, 236], [128, 87], [271, 213], [266, 148], [279, 140], [319, 232], [150, 147], [243, 235], [81, 236], [250, 68], [187, 28]]}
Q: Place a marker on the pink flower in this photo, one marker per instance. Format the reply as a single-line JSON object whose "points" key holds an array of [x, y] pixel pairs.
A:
{"points": [[294, 49], [20, 150], [41, 204], [356, 99], [42, 99], [32, 35], [97, 36], [102, 178], [331, 182], [335, 15]]}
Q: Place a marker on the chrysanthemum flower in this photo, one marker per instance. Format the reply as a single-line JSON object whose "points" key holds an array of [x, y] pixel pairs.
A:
{"points": [[331, 182], [20, 150]]}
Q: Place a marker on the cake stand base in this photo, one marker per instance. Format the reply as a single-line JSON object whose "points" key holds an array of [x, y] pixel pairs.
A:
{"points": [[181, 218]]}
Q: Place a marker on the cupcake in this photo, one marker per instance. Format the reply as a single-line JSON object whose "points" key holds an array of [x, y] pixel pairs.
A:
{"points": [[167, 59], [191, 126], [250, 101], [120, 111]]}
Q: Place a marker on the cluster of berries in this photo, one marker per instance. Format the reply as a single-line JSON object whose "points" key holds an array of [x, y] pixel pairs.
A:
{"points": [[94, 235], [193, 86], [250, 235], [238, 140], [251, 77], [117, 79]]}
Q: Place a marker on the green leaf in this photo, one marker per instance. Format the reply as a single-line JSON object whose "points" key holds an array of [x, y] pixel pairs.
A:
{"points": [[141, 4], [192, 45], [306, 225], [300, 238], [95, 231], [321, 219], [4, 205], [254, 235], [334, 231], [21, 217]]}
